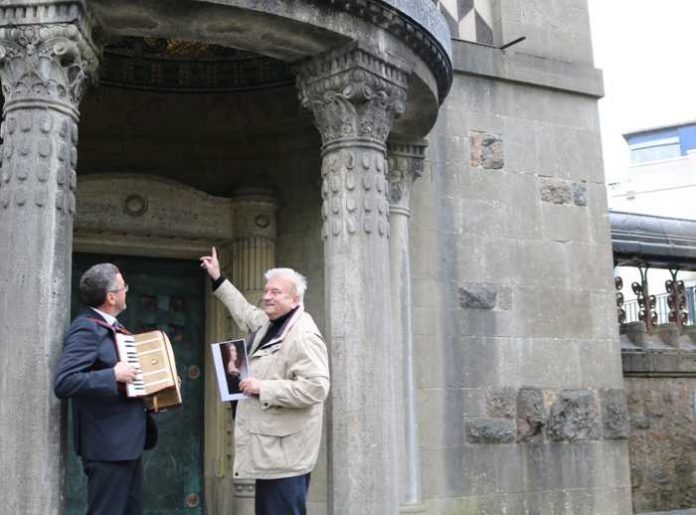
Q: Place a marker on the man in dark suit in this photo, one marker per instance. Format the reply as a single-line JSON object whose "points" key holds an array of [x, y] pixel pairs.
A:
{"points": [[109, 427]]}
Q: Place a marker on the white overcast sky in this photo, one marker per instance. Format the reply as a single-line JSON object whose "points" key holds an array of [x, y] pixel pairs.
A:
{"points": [[646, 50]]}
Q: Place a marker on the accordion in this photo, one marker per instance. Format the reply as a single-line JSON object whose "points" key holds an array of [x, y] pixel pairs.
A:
{"points": [[156, 381]]}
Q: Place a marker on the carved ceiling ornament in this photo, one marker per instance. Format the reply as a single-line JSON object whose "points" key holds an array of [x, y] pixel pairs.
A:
{"points": [[352, 94], [49, 63], [160, 64]]}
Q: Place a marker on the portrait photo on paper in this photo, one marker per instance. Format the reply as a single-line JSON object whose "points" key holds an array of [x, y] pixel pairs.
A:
{"points": [[231, 366]]}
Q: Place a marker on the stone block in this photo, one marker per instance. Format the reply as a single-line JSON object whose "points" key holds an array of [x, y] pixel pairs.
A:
{"points": [[474, 402], [574, 416], [478, 295], [478, 95], [501, 402], [486, 150], [615, 420], [470, 362], [458, 472], [490, 430], [605, 324], [521, 145], [552, 311], [434, 469], [541, 263], [549, 362], [542, 467], [579, 194], [580, 502], [485, 217], [487, 323], [437, 429], [600, 363], [429, 372], [472, 264], [532, 415], [566, 223], [509, 463], [589, 267], [555, 191]]}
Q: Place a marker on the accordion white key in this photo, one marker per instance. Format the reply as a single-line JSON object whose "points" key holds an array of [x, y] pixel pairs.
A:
{"points": [[157, 381]]}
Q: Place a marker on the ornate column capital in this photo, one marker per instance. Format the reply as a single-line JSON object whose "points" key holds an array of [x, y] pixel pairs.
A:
{"points": [[46, 56], [353, 93], [406, 162]]}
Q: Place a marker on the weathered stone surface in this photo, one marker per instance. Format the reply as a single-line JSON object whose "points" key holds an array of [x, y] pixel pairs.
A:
{"points": [[580, 194], [478, 295], [640, 421], [490, 430], [46, 61], [555, 191], [532, 414], [615, 421], [486, 150], [574, 416], [501, 402], [354, 96], [662, 442]]}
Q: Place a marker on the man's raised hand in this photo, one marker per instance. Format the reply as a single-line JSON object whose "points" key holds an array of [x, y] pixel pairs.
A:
{"points": [[211, 264]]}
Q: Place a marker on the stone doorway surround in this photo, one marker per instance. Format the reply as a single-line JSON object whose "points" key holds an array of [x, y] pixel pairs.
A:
{"points": [[366, 70], [140, 215]]}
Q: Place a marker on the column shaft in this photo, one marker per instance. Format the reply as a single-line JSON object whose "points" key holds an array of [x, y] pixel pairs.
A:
{"points": [[405, 165], [43, 70], [251, 257], [354, 96]]}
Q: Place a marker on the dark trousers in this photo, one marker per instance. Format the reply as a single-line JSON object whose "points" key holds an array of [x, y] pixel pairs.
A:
{"points": [[284, 496], [114, 487]]}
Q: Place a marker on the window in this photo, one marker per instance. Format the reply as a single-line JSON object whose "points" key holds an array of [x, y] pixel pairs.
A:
{"points": [[655, 150]]}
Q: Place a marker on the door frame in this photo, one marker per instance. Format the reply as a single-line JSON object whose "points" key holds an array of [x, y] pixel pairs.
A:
{"points": [[150, 216]]}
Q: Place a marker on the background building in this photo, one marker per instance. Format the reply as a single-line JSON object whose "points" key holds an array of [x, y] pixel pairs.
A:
{"points": [[661, 179]]}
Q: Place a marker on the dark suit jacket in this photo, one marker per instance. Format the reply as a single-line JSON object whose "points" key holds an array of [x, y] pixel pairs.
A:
{"points": [[108, 426]]}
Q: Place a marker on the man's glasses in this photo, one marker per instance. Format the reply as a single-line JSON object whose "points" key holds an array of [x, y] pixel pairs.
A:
{"points": [[124, 288]]}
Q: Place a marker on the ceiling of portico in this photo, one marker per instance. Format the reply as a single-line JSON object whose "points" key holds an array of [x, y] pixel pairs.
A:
{"points": [[213, 141], [232, 45], [169, 64], [202, 91]]}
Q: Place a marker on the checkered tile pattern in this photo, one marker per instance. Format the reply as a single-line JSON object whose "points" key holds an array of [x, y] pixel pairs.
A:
{"points": [[471, 20]]}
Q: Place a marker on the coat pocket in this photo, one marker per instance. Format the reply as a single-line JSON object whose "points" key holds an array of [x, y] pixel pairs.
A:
{"points": [[278, 421], [272, 439]]}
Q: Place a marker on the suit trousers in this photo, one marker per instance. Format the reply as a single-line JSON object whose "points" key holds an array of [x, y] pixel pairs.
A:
{"points": [[114, 487], [286, 496]]}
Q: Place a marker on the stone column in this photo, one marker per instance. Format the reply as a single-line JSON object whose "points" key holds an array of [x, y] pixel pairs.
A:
{"points": [[253, 252], [405, 166], [45, 59], [354, 96], [244, 261]]}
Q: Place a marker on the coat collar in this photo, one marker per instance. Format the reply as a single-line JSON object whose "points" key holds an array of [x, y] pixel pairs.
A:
{"points": [[287, 326]]}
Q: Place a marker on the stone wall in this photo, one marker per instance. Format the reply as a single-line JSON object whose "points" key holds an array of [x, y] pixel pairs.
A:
{"points": [[518, 362], [662, 442]]}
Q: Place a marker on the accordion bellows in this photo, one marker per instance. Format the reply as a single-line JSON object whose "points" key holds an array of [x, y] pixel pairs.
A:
{"points": [[157, 380]]}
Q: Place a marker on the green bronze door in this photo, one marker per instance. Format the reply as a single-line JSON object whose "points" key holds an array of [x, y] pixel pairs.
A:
{"points": [[164, 294]]}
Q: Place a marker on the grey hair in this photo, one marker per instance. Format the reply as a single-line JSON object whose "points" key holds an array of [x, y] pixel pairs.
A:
{"points": [[96, 282], [299, 281]]}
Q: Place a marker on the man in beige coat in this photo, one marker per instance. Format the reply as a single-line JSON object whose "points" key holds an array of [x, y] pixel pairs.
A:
{"points": [[278, 430]]}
